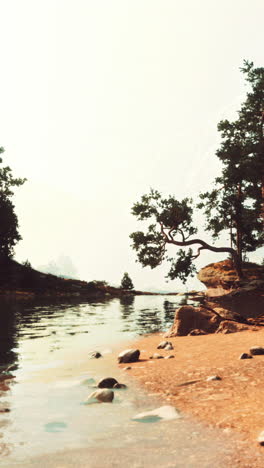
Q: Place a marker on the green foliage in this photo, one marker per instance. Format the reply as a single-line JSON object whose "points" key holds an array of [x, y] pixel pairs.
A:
{"points": [[171, 218], [182, 267], [126, 282], [9, 234], [236, 202]]}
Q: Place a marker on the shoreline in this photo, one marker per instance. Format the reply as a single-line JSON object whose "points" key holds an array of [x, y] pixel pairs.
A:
{"points": [[233, 404]]}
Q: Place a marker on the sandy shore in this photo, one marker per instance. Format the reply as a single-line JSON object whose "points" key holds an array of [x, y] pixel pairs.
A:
{"points": [[235, 403]]}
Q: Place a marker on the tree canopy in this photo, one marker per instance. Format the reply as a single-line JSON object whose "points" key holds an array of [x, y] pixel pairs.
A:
{"points": [[236, 202], [9, 234]]}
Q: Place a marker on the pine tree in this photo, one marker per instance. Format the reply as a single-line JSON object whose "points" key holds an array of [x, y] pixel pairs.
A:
{"points": [[237, 201], [126, 282]]}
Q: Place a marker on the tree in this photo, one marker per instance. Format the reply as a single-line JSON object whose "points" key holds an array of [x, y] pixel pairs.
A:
{"points": [[170, 224], [237, 201], [9, 234], [126, 282]]}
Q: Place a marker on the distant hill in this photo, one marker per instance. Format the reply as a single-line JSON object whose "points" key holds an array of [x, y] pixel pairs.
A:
{"points": [[25, 281]]}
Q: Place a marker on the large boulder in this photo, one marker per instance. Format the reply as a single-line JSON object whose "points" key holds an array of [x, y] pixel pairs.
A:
{"points": [[188, 318], [220, 278]]}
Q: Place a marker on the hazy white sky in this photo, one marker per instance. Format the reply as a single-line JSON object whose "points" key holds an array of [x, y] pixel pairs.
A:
{"points": [[101, 100]]}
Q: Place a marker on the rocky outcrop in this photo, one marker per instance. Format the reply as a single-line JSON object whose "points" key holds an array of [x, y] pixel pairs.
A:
{"points": [[220, 278]]}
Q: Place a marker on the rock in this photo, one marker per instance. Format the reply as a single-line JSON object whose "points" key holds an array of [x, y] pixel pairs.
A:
{"points": [[104, 396], [221, 278], [213, 377], [108, 382], [119, 385], [129, 355], [261, 438], [164, 412], [197, 332], [168, 347], [256, 350], [188, 318], [245, 356], [95, 355], [163, 345], [127, 368], [156, 356], [231, 327], [170, 356]]}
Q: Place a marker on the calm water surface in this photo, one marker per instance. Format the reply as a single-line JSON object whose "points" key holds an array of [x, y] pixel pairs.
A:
{"points": [[42, 408]]}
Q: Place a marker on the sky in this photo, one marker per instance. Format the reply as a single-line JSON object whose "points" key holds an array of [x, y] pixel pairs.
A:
{"points": [[101, 100]]}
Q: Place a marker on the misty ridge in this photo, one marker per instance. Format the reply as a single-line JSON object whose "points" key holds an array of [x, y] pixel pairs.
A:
{"points": [[62, 267]]}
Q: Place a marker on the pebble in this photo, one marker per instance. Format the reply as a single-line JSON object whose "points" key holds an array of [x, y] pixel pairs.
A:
{"points": [[261, 438], [127, 368], [245, 356], [213, 377], [169, 357], [156, 356], [104, 396], [168, 347], [164, 344], [256, 350]]}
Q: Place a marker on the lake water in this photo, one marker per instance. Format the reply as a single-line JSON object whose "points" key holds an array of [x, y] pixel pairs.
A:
{"points": [[43, 421]]}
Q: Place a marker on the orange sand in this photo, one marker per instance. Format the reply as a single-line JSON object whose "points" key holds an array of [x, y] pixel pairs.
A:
{"points": [[235, 403]]}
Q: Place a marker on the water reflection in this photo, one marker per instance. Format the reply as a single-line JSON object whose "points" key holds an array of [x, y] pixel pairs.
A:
{"points": [[37, 335], [127, 306]]}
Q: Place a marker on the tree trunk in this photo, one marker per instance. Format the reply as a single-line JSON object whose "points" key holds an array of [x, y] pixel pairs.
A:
{"points": [[237, 262], [262, 168], [239, 244]]}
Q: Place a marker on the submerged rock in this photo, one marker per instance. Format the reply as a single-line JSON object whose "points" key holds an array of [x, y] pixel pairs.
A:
{"points": [[119, 385], [95, 355], [107, 382], [103, 396], [129, 355], [164, 412]]}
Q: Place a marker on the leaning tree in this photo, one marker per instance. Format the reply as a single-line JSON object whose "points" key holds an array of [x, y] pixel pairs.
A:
{"points": [[235, 204], [171, 223]]}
